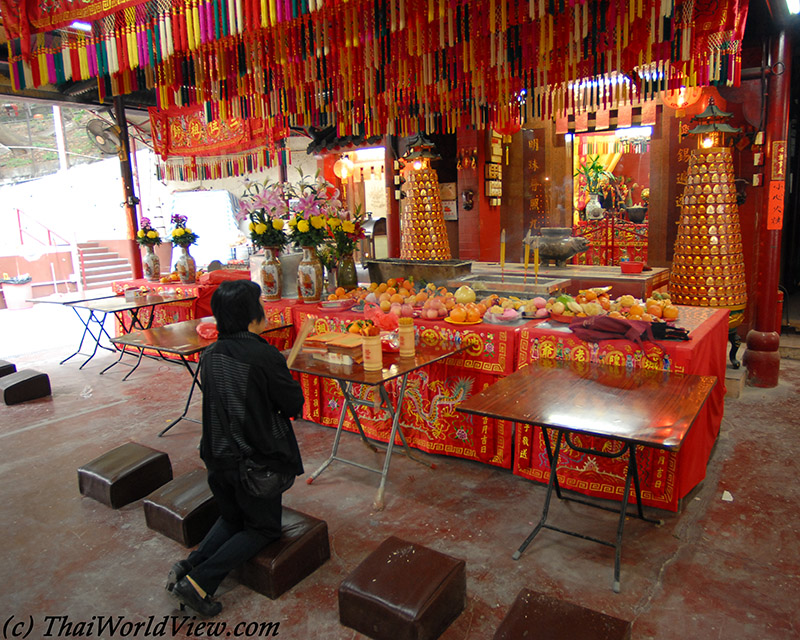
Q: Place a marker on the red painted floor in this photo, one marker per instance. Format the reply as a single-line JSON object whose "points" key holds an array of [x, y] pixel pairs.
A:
{"points": [[726, 569]]}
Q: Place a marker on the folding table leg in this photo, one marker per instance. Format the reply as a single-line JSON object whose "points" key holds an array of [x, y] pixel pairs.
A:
{"points": [[188, 400], [551, 483]]}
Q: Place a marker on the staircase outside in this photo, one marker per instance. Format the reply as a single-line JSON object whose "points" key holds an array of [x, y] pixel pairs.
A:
{"points": [[100, 266]]}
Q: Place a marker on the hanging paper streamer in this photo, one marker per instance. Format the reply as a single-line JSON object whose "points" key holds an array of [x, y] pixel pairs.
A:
{"points": [[380, 66]]}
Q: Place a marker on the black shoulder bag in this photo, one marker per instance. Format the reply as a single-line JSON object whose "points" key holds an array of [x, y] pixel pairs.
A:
{"points": [[257, 479]]}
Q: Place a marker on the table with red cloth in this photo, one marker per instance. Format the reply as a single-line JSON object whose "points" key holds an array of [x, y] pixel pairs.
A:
{"points": [[666, 476], [428, 417], [200, 307]]}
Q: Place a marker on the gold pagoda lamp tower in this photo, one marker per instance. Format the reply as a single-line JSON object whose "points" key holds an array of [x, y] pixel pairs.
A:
{"points": [[423, 232], [708, 263]]}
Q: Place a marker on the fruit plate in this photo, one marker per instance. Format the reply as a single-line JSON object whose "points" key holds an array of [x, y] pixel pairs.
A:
{"points": [[563, 319], [451, 321], [337, 305], [496, 318]]}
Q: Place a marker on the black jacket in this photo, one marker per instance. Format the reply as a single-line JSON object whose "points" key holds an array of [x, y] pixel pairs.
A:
{"points": [[253, 385]]}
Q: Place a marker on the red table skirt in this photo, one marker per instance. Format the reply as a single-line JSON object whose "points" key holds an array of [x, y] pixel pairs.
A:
{"points": [[432, 424]]}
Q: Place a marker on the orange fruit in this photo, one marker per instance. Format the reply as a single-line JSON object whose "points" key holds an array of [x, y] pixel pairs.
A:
{"points": [[354, 328], [385, 306], [331, 296], [382, 287], [590, 295], [655, 310], [396, 298], [421, 297], [614, 314], [391, 290], [340, 291], [481, 308], [408, 285], [373, 286], [670, 312], [384, 297], [473, 315], [391, 282], [635, 310], [458, 314]]}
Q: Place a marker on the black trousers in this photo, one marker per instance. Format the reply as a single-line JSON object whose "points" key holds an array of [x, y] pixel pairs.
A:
{"points": [[245, 526]]}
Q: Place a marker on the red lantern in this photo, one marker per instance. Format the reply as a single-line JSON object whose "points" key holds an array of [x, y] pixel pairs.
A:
{"points": [[681, 98]]}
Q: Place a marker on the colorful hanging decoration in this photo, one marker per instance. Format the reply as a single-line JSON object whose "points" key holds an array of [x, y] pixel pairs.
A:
{"points": [[372, 67]]}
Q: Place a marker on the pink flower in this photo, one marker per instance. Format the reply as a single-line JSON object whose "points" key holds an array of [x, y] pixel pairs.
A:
{"points": [[308, 205]]}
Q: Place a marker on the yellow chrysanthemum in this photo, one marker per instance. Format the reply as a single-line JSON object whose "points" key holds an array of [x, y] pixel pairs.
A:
{"points": [[177, 233], [252, 226], [187, 230], [140, 233], [261, 228], [152, 234], [317, 222], [293, 222], [348, 226], [303, 226], [334, 222], [277, 224]]}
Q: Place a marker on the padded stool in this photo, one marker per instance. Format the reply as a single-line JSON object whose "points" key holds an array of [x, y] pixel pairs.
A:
{"points": [[124, 474], [184, 509], [303, 548], [6, 367], [539, 617], [24, 385], [403, 591]]}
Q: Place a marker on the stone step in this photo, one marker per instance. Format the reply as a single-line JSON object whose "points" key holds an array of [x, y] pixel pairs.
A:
{"points": [[113, 267], [107, 278], [103, 262], [97, 252], [87, 245]]}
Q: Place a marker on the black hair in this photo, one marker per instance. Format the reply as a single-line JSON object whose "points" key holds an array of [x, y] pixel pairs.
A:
{"points": [[235, 304]]}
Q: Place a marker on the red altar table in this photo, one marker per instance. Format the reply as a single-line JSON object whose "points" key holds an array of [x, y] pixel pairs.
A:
{"points": [[428, 417], [666, 476]]}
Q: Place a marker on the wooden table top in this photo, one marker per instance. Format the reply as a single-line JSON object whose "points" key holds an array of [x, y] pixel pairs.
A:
{"points": [[393, 365], [180, 338], [119, 303], [640, 406]]}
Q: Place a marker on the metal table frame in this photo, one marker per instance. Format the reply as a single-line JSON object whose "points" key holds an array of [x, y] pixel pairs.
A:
{"points": [[374, 379], [499, 403]]}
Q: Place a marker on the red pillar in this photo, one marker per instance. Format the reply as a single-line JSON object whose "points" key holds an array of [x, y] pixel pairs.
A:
{"points": [[762, 358]]}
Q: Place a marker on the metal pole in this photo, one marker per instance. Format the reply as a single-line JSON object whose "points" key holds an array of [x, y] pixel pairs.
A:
{"points": [[127, 184]]}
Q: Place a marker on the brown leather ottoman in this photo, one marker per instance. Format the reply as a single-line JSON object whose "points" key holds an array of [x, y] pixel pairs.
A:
{"points": [[124, 474], [6, 367], [403, 591], [539, 617], [184, 509], [301, 550], [24, 385]]}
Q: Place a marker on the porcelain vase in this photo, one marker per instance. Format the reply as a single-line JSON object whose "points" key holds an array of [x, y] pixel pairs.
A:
{"points": [[151, 264], [594, 210], [272, 274], [187, 269], [309, 276]]}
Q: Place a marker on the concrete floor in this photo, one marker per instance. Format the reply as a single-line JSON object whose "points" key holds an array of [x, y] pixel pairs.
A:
{"points": [[726, 569]]}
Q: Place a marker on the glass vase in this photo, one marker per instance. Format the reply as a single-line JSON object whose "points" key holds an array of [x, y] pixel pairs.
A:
{"points": [[594, 210], [346, 275], [309, 276], [187, 269], [272, 274], [151, 264]]}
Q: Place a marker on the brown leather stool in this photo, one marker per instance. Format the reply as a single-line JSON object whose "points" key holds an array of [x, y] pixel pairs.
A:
{"points": [[539, 617], [6, 367], [301, 550], [184, 509], [24, 385], [403, 591], [124, 474]]}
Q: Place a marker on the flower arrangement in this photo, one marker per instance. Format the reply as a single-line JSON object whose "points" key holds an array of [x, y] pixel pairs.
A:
{"points": [[147, 236], [345, 233], [313, 202], [265, 206], [181, 234]]}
